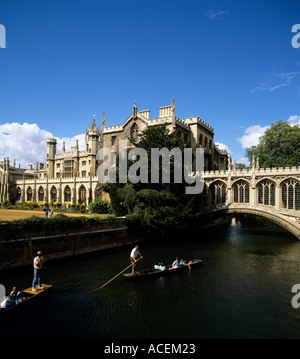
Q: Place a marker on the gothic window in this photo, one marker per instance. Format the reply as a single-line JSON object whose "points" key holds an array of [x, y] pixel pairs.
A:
{"points": [[200, 139], [113, 140], [290, 192], [218, 192], [241, 192], [98, 191], [82, 194], [68, 166], [29, 194], [40, 194], [135, 132], [67, 194], [19, 194], [266, 193], [53, 194]]}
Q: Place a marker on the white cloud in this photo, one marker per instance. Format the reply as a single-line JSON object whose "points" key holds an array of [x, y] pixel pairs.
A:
{"points": [[294, 120], [222, 146], [27, 143], [252, 135], [243, 160], [70, 142], [214, 14], [276, 81]]}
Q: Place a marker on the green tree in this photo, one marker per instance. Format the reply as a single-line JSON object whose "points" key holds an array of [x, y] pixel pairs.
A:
{"points": [[278, 147], [162, 208]]}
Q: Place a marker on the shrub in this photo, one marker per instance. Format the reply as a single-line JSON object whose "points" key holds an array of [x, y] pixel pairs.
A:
{"points": [[6, 203], [100, 207]]}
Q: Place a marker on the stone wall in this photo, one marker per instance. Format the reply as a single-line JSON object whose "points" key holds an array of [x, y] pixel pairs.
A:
{"points": [[21, 250]]}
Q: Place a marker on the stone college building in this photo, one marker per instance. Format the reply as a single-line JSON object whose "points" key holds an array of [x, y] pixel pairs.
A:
{"points": [[70, 177]]}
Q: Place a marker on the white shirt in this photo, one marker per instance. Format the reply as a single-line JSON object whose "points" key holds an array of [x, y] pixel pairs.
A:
{"points": [[135, 253], [37, 264]]}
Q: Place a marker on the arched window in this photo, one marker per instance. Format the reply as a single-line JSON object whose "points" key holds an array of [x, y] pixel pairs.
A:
{"points": [[135, 134], [19, 193], [53, 194], [290, 192], [266, 193], [98, 191], [82, 194], [241, 192], [67, 194], [41, 194], [218, 192], [29, 194]]}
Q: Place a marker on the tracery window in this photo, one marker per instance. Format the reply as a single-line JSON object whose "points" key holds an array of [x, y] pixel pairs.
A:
{"points": [[40, 194], [241, 192], [19, 193], [266, 193], [82, 194], [67, 194], [135, 134], [218, 192], [290, 194], [53, 194], [29, 194]]}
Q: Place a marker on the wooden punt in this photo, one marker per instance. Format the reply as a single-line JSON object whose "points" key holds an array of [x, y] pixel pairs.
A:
{"points": [[152, 272], [28, 295]]}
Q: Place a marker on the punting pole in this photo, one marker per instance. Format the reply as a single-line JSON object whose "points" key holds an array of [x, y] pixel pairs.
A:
{"points": [[94, 290]]}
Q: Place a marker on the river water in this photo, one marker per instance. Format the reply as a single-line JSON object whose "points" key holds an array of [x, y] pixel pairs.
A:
{"points": [[242, 290]]}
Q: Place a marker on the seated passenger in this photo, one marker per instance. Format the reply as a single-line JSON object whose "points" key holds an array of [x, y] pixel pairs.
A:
{"points": [[160, 266], [176, 263], [15, 297]]}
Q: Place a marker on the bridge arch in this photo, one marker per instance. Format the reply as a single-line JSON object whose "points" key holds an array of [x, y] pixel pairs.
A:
{"points": [[272, 193], [284, 222]]}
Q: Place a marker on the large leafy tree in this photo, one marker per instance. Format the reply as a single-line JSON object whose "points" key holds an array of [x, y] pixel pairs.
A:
{"points": [[278, 147], [162, 208]]}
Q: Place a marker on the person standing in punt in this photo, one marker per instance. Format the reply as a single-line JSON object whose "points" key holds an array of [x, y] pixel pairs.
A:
{"points": [[38, 268], [135, 253]]}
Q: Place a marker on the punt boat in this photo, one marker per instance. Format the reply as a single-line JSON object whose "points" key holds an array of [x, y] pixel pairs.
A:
{"points": [[28, 295], [152, 272]]}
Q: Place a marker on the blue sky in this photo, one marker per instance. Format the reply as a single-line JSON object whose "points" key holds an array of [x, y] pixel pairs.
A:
{"points": [[229, 62]]}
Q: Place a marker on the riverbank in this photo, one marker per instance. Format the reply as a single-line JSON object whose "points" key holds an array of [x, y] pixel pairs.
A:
{"points": [[61, 236], [14, 214]]}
